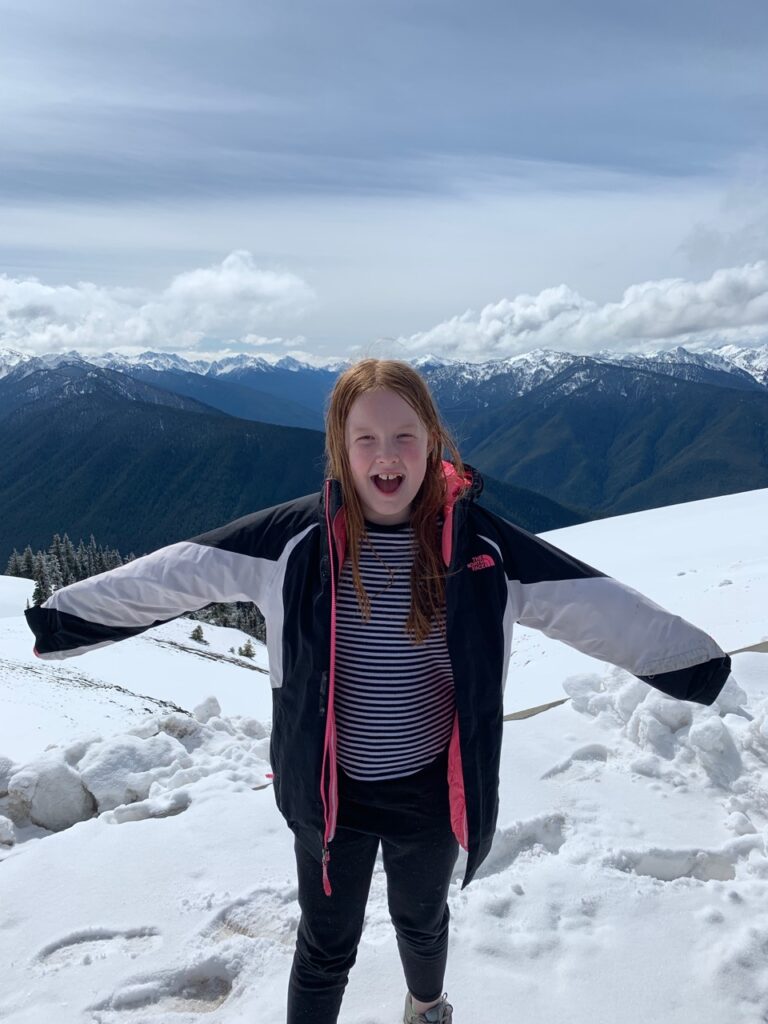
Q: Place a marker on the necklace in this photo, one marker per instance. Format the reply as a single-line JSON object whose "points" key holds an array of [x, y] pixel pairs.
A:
{"points": [[392, 573]]}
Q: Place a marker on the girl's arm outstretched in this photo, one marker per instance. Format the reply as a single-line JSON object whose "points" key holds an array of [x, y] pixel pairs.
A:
{"points": [[236, 562], [568, 600]]}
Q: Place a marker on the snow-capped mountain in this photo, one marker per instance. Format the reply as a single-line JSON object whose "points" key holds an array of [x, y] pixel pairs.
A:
{"points": [[10, 359], [705, 367], [753, 360], [150, 360], [521, 373]]}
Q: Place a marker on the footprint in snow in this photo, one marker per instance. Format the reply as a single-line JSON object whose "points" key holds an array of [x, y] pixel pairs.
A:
{"points": [[668, 865], [201, 988], [82, 948], [538, 835], [267, 913], [594, 752]]}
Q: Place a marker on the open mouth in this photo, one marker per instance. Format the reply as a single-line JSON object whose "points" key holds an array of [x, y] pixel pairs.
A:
{"points": [[387, 483]]}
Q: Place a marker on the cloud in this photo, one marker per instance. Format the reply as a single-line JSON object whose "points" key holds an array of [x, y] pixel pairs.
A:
{"points": [[731, 305], [224, 301]]}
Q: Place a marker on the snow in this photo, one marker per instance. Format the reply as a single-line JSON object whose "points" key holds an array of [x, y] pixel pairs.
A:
{"points": [[628, 879], [10, 358]]}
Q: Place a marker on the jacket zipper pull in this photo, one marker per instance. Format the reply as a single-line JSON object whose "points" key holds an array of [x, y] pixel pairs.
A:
{"points": [[326, 881]]}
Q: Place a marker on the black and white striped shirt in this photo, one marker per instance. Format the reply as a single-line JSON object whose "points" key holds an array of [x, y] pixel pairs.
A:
{"points": [[394, 699]]}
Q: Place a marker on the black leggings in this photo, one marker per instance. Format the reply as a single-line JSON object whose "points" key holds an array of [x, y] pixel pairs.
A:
{"points": [[410, 818]]}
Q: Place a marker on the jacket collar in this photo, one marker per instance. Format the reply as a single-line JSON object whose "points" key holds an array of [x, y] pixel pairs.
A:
{"points": [[332, 507]]}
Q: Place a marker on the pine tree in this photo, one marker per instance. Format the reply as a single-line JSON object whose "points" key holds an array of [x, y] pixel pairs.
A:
{"points": [[197, 634], [246, 651], [28, 563], [14, 565], [93, 557], [81, 559], [42, 589], [69, 566], [55, 577], [56, 550]]}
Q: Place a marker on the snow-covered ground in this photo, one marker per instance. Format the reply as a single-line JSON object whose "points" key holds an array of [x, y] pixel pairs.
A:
{"points": [[628, 880]]}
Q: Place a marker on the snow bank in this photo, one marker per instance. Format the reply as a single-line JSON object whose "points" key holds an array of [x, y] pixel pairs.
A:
{"points": [[146, 772], [725, 742], [7, 768], [7, 832], [49, 793]]}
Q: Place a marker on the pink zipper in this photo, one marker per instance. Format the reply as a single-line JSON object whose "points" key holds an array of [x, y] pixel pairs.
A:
{"points": [[330, 799]]}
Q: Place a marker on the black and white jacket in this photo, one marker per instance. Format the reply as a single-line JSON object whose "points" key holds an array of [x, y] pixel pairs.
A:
{"points": [[287, 560]]}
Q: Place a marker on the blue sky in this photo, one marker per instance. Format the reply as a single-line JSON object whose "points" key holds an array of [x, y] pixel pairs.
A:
{"points": [[362, 176]]}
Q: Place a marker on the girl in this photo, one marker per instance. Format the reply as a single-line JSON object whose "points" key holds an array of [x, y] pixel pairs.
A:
{"points": [[390, 599]]}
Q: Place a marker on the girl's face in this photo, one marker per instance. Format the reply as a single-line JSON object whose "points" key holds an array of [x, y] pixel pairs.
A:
{"points": [[385, 438]]}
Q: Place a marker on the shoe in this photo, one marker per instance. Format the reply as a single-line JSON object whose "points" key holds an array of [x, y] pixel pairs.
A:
{"points": [[442, 1013]]}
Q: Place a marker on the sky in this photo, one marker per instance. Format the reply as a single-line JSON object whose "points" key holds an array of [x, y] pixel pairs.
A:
{"points": [[383, 178]]}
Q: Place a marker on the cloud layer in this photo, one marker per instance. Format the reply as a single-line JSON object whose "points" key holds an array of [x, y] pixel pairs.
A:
{"points": [[230, 300], [731, 305], [223, 308]]}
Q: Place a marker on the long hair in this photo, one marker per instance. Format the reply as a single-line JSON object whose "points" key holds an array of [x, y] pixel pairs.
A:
{"points": [[428, 572]]}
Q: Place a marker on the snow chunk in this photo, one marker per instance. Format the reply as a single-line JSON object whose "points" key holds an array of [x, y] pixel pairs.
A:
{"points": [[76, 751], [7, 832], [741, 824], [675, 714], [180, 726], [7, 768], [713, 744], [645, 729], [583, 690], [629, 696], [210, 708], [122, 770], [253, 728], [731, 699], [164, 806], [50, 793], [756, 734]]}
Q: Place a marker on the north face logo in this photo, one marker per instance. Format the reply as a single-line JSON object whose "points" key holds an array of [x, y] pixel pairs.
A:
{"points": [[481, 562]]}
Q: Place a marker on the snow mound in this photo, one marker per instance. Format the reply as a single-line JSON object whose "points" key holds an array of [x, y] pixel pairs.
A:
{"points": [[121, 771], [7, 768], [726, 743], [148, 772], [209, 708], [7, 832], [49, 793]]}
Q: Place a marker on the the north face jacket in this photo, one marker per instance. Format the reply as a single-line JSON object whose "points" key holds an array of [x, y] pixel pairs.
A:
{"points": [[287, 560]]}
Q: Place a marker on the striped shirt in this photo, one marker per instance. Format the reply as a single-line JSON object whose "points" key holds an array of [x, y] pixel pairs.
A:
{"points": [[394, 699]]}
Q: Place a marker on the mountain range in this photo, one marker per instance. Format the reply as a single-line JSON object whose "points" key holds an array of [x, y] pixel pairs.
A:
{"points": [[145, 450]]}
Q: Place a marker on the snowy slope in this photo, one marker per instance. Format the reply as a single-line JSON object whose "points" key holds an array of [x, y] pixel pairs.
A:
{"points": [[628, 880]]}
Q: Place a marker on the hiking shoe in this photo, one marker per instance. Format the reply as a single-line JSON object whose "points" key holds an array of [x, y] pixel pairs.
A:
{"points": [[440, 1014]]}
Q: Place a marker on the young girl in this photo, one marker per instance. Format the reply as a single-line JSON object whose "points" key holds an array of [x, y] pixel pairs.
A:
{"points": [[390, 599]]}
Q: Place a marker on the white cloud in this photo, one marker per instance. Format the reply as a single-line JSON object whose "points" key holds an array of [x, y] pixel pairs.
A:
{"points": [[731, 305], [226, 300]]}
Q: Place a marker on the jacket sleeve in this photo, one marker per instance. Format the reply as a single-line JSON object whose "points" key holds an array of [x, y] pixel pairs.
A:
{"points": [[235, 562], [568, 600]]}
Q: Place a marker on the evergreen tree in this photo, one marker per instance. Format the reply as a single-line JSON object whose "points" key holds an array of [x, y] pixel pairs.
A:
{"points": [[14, 565], [246, 651], [55, 577], [28, 563], [69, 566], [56, 550], [81, 559], [42, 589], [197, 634], [93, 557]]}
